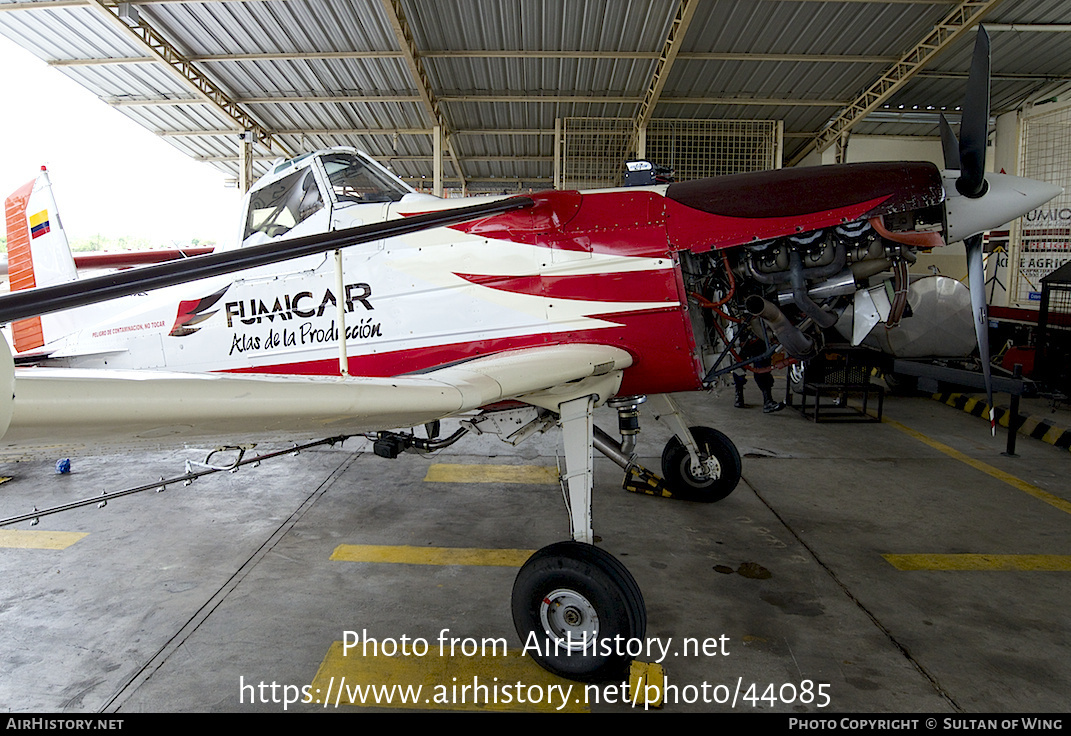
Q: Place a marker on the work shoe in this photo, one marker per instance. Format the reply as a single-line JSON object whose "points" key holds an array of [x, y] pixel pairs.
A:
{"points": [[769, 406], [738, 383]]}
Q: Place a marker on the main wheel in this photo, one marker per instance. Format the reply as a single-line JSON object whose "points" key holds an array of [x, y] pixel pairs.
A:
{"points": [[576, 608], [723, 467]]}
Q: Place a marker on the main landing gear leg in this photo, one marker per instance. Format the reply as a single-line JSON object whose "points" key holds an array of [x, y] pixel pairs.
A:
{"points": [[577, 418], [574, 605]]}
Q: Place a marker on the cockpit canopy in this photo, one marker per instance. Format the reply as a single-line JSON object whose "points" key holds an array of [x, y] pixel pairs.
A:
{"points": [[335, 178], [276, 208], [353, 180]]}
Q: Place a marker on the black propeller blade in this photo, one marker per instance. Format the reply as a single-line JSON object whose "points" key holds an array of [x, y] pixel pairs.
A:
{"points": [[949, 145], [974, 131], [974, 125]]}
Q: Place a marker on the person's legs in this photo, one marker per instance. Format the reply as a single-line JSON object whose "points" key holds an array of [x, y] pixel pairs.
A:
{"points": [[739, 379], [765, 383]]}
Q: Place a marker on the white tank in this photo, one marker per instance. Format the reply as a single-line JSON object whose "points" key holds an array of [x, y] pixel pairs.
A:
{"points": [[941, 324]]}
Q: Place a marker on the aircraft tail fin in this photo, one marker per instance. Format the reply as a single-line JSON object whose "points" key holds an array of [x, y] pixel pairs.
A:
{"points": [[38, 255]]}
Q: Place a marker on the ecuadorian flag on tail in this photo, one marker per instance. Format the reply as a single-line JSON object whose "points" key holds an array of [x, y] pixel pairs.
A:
{"points": [[39, 224]]}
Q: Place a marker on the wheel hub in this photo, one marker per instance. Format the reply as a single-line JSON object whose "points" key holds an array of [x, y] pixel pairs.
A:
{"points": [[569, 618], [708, 469]]}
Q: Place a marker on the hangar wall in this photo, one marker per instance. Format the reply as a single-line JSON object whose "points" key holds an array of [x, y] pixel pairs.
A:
{"points": [[1041, 240]]}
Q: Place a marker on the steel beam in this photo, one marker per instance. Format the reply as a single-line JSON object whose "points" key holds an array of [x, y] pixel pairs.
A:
{"points": [[610, 55], [403, 33], [356, 131], [963, 17], [670, 48], [143, 35]]}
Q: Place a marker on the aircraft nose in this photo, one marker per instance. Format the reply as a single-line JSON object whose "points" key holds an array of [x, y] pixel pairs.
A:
{"points": [[1006, 198]]}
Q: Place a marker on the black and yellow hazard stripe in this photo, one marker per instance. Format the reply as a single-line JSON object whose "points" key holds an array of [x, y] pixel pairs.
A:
{"points": [[1035, 427]]}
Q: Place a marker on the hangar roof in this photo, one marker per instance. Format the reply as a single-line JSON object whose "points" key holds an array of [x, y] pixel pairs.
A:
{"points": [[496, 74]]}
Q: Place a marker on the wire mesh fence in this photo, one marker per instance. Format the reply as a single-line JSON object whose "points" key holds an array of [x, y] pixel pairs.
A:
{"points": [[696, 149], [1041, 239], [594, 150]]}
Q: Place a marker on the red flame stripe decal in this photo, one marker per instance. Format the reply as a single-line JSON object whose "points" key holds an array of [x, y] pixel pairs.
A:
{"points": [[623, 286]]}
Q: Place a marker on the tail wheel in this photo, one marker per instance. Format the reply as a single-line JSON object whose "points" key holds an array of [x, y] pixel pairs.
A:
{"points": [[575, 608], [721, 468]]}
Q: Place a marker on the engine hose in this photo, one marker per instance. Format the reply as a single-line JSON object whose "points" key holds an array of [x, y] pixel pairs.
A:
{"points": [[900, 285], [713, 306], [732, 283]]}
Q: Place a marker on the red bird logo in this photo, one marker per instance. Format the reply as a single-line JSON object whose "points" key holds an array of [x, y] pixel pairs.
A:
{"points": [[192, 312]]}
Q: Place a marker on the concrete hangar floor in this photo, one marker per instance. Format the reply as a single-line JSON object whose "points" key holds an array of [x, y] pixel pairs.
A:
{"points": [[894, 567]]}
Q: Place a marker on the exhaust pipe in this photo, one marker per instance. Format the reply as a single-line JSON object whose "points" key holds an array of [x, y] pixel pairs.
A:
{"points": [[799, 289], [791, 338], [842, 284]]}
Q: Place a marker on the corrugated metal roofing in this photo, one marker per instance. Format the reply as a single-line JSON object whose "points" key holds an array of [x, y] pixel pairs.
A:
{"points": [[312, 72]]}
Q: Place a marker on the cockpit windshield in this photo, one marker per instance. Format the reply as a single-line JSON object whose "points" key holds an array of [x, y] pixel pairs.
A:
{"points": [[275, 209], [353, 180]]}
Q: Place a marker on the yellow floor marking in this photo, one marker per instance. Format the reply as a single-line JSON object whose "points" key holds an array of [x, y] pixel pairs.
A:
{"points": [[431, 555], [4, 480], [1049, 563], [1060, 503], [439, 679], [30, 539], [451, 473]]}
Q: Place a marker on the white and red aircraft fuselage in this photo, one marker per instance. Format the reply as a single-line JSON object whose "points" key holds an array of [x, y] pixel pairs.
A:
{"points": [[408, 304], [353, 304], [611, 267]]}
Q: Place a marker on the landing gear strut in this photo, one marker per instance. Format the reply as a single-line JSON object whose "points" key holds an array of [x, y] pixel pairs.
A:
{"points": [[574, 605]]}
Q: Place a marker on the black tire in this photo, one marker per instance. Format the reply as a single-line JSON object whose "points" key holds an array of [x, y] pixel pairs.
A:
{"points": [[570, 589], [677, 470]]}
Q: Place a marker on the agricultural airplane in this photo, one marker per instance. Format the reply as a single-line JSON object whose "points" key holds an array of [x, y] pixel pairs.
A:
{"points": [[353, 304]]}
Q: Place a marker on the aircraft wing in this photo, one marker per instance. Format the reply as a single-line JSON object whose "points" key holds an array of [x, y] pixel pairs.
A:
{"points": [[66, 410]]}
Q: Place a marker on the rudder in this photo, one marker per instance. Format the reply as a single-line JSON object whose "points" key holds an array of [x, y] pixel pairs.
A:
{"points": [[38, 255]]}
